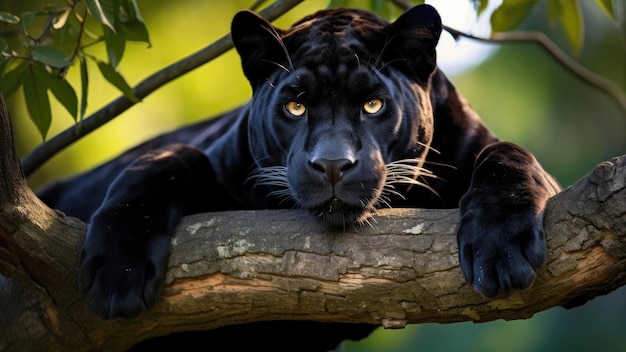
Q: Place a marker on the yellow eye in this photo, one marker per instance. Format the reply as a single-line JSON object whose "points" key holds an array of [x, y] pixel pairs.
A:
{"points": [[372, 106], [295, 108]]}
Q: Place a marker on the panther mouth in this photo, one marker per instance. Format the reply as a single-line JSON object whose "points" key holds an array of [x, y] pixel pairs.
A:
{"points": [[346, 204], [338, 214]]}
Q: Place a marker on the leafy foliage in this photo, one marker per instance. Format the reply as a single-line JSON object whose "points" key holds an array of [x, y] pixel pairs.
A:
{"points": [[567, 13], [510, 14], [39, 59], [39, 62]]}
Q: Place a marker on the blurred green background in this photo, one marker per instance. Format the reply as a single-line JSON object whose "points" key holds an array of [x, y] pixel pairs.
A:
{"points": [[521, 93]]}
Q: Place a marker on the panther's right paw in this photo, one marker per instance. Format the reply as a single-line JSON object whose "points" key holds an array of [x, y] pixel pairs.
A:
{"points": [[122, 282]]}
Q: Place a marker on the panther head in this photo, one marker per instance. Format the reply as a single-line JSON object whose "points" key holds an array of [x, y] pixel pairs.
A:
{"points": [[340, 120]]}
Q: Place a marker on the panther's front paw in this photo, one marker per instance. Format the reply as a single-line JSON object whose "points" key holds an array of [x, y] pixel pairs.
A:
{"points": [[500, 256], [122, 282], [500, 234]]}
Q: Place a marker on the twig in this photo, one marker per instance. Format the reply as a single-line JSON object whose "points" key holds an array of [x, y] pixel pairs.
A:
{"points": [[46, 150], [81, 30], [556, 53]]}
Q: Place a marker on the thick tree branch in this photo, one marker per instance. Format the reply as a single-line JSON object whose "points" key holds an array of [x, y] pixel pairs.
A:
{"points": [[236, 267]]}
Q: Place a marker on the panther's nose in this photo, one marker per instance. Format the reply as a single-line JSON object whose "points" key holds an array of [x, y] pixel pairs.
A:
{"points": [[333, 168]]}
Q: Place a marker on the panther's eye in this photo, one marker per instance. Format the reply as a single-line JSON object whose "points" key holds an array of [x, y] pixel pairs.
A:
{"points": [[372, 106], [295, 108]]}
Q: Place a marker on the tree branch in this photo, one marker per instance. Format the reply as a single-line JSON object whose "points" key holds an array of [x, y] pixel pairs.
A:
{"points": [[44, 151], [235, 267], [577, 70]]}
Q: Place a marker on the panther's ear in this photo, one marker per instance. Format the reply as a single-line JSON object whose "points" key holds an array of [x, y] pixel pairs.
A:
{"points": [[259, 46], [412, 40]]}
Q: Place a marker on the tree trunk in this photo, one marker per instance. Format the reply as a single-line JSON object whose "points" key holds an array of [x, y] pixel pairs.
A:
{"points": [[236, 267]]}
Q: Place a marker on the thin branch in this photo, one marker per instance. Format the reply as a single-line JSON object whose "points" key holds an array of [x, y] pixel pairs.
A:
{"points": [[43, 152], [576, 69], [81, 30], [47, 27]]}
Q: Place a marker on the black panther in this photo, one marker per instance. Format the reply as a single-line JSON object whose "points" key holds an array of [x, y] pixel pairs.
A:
{"points": [[349, 114]]}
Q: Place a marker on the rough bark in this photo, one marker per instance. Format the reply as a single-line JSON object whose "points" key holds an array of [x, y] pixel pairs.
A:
{"points": [[235, 267]]}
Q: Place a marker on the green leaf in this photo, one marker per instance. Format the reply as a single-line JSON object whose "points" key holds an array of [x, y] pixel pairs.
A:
{"points": [[27, 18], [608, 8], [84, 84], [111, 10], [567, 13], [51, 56], [61, 19], [553, 9], [61, 89], [510, 14], [136, 31], [132, 23], [4, 62], [117, 80], [480, 6], [9, 18], [37, 103], [115, 44], [572, 23], [3, 44], [13, 79], [95, 8]]}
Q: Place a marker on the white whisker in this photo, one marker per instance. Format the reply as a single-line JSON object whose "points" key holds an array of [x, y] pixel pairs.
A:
{"points": [[384, 202], [274, 177], [380, 55], [406, 172], [366, 220], [276, 36], [391, 191], [358, 61], [429, 147], [282, 67]]}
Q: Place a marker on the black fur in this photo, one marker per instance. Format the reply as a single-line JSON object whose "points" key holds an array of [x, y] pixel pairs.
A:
{"points": [[349, 114]]}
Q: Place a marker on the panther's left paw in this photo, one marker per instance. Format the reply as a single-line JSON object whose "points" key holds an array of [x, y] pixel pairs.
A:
{"points": [[500, 255], [500, 235]]}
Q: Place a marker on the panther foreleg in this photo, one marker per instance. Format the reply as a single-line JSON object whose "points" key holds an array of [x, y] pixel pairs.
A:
{"points": [[124, 256], [500, 235]]}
